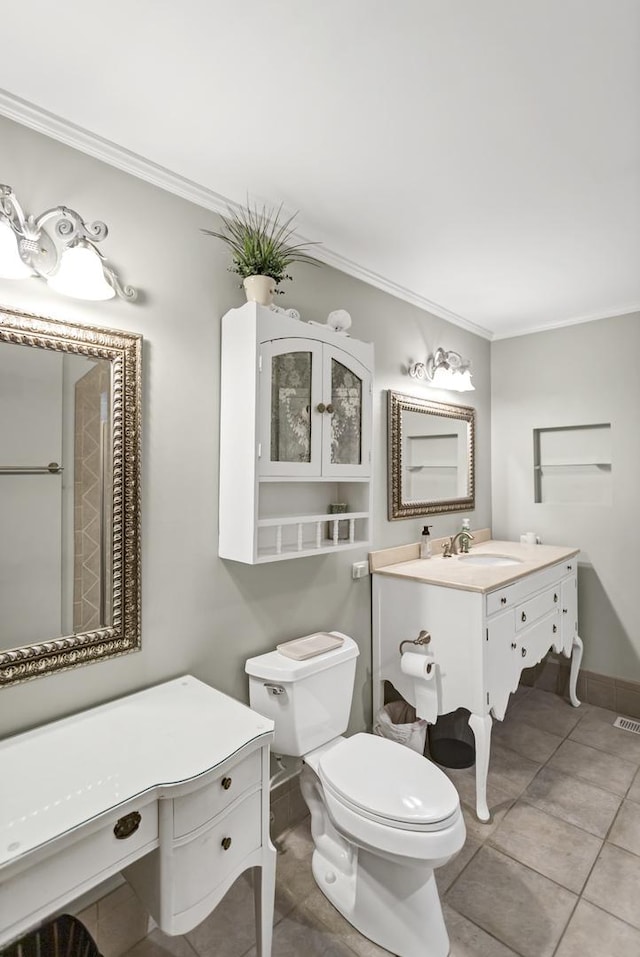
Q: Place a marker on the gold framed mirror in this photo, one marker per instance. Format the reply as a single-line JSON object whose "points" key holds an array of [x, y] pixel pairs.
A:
{"points": [[431, 448], [70, 429]]}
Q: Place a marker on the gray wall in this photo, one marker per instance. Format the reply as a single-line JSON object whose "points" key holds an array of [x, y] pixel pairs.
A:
{"points": [[202, 615], [578, 375]]}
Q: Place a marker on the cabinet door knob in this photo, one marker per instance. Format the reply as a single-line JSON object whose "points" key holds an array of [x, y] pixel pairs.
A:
{"points": [[524, 652], [523, 617], [513, 645], [555, 628], [321, 407], [226, 783], [503, 601], [565, 611], [555, 596], [226, 843], [127, 825], [330, 409]]}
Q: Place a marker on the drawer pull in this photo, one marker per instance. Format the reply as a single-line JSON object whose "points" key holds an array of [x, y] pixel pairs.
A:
{"points": [[555, 596], [524, 652], [127, 825], [565, 611], [226, 843], [503, 601], [555, 628], [523, 616], [513, 645], [226, 783], [569, 568]]}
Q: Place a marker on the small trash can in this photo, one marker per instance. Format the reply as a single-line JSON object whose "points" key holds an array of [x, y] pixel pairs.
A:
{"points": [[65, 936], [397, 721], [451, 740]]}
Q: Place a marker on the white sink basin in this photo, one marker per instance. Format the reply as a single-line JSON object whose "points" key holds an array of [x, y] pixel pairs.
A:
{"points": [[489, 560]]}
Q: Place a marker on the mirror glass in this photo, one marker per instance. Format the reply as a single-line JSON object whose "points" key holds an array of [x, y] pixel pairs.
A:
{"points": [[69, 495], [431, 457]]}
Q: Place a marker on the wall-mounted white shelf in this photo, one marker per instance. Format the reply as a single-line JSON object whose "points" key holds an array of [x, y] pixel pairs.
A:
{"points": [[295, 438]]}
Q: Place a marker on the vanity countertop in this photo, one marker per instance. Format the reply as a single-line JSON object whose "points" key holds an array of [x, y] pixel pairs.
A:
{"points": [[455, 572]]}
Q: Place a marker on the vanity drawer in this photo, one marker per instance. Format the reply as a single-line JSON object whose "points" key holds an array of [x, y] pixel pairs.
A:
{"points": [[194, 810], [529, 611], [533, 644], [519, 591], [202, 863]]}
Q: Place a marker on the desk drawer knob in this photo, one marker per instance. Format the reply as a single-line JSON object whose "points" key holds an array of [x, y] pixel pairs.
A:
{"points": [[127, 825], [503, 601], [523, 616], [226, 783], [226, 843]]}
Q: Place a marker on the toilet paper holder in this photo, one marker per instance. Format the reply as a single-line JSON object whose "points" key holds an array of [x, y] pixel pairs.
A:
{"points": [[423, 639]]}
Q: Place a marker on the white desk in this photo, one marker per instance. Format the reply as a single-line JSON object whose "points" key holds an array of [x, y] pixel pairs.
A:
{"points": [[169, 786]]}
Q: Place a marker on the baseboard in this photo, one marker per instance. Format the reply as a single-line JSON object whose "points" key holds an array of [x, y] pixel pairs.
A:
{"points": [[552, 674]]}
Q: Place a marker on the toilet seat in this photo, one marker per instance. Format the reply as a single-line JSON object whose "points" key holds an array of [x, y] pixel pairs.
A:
{"points": [[384, 782]]}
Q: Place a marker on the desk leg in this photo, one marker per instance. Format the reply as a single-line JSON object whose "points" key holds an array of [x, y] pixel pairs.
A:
{"points": [[264, 888], [481, 727], [576, 660]]}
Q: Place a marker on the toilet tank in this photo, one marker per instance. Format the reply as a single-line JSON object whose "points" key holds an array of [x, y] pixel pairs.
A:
{"points": [[309, 701]]}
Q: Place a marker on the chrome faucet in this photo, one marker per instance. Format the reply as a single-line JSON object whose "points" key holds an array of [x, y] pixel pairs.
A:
{"points": [[451, 547]]}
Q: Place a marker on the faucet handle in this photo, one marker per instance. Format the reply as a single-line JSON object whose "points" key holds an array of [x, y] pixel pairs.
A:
{"points": [[446, 549]]}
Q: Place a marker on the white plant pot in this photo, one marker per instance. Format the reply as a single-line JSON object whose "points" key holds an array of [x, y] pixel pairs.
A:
{"points": [[260, 289]]}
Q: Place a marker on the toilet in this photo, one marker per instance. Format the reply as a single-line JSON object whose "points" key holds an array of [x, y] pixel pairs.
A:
{"points": [[382, 816]]}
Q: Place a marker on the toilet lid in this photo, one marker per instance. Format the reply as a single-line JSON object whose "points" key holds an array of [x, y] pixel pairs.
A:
{"points": [[388, 782]]}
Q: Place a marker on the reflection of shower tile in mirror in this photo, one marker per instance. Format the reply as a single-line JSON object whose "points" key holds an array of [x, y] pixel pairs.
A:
{"points": [[90, 494]]}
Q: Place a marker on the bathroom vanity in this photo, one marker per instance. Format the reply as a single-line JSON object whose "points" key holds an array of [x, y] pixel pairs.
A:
{"points": [[170, 786], [488, 614]]}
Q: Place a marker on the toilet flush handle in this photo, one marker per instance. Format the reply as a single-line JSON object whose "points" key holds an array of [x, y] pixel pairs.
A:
{"points": [[274, 689]]}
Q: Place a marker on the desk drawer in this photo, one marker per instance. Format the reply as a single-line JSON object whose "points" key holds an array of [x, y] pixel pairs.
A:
{"points": [[194, 810], [206, 860], [53, 882], [533, 609]]}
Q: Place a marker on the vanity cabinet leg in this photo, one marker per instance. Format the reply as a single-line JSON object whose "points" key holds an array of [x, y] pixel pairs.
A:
{"points": [[264, 888], [576, 660], [481, 727]]}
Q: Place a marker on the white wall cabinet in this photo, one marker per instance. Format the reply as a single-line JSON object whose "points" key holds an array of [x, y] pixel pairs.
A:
{"points": [[480, 641], [295, 437]]}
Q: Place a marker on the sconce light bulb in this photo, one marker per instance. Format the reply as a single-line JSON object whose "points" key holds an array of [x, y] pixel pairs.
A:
{"points": [[80, 275]]}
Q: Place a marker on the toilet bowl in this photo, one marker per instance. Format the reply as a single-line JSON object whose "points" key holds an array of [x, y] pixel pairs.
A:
{"points": [[382, 816]]}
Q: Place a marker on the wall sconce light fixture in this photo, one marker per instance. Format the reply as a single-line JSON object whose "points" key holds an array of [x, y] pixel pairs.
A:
{"points": [[445, 370], [64, 253]]}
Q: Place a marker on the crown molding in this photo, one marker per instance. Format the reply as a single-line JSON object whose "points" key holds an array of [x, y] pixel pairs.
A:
{"points": [[562, 323], [80, 139], [49, 124]]}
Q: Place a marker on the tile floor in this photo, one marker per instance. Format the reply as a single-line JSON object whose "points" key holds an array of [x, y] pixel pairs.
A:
{"points": [[555, 874]]}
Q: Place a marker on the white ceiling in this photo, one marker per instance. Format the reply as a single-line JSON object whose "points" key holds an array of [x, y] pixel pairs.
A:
{"points": [[478, 157]]}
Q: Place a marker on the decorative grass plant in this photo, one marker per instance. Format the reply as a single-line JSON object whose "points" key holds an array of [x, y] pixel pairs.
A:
{"points": [[260, 244]]}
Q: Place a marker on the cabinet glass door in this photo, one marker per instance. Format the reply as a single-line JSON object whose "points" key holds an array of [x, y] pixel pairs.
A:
{"points": [[290, 437], [346, 387]]}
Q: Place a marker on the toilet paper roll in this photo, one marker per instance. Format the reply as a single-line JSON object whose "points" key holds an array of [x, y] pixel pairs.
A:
{"points": [[417, 666]]}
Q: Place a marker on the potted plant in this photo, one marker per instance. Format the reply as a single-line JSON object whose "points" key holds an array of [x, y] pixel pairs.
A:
{"points": [[261, 249]]}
